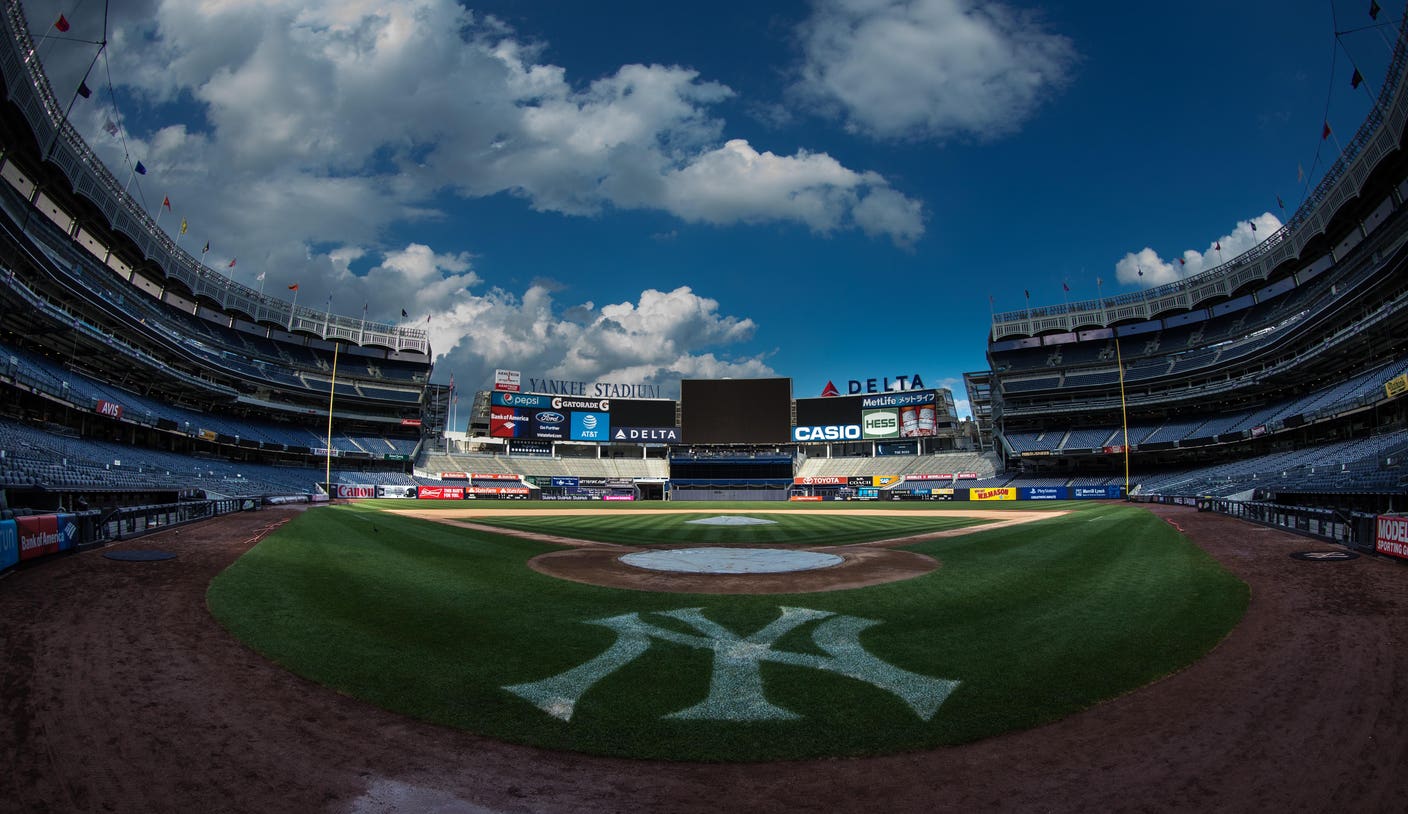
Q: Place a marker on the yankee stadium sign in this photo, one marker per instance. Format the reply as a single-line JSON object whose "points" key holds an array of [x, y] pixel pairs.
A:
{"points": [[600, 390]]}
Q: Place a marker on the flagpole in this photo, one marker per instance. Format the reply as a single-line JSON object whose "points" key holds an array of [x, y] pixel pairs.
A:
{"points": [[332, 390], [293, 308]]}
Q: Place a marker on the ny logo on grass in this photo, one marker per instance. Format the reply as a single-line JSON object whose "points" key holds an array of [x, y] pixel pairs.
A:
{"points": [[736, 684]]}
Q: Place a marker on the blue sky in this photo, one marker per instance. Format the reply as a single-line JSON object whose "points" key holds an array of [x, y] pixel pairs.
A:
{"points": [[643, 191]]}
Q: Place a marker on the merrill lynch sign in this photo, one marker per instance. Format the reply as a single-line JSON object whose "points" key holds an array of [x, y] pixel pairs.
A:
{"points": [[600, 390]]}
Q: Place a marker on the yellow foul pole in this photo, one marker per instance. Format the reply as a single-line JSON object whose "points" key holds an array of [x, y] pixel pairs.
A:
{"points": [[1124, 416], [332, 388]]}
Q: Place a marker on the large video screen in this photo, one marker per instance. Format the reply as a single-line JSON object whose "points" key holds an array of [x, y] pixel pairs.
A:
{"points": [[643, 412], [873, 416], [736, 411]]}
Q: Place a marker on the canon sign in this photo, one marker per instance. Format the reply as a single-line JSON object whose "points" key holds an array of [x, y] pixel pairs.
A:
{"points": [[839, 432]]}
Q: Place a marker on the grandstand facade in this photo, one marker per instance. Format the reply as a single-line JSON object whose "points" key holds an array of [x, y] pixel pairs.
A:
{"points": [[1272, 373], [129, 367]]}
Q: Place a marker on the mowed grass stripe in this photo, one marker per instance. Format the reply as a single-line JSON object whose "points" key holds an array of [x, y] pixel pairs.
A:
{"points": [[639, 529], [1035, 621]]}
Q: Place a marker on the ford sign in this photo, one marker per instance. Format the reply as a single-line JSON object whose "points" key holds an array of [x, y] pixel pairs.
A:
{"points": [[549, 418]]}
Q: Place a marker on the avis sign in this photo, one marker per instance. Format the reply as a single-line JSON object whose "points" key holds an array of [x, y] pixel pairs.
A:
{"points": [[736, 690]]}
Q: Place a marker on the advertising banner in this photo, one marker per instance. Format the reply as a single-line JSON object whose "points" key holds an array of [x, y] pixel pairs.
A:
{"points": [[591, 426], [527, 401], [640, 435], [1096, 492], [68, 531], [38, 535], [834, 432], [109, 408], [398, 492], [880, 424], [454, 476], [440, 492], [355, 490], [497, 490], [566, 483], [1042, 493], [805, 498], [1396, 386], [939, 476], [1392, 537], [618, 497], [9, 544], [821, 480], [493, 476], [997, 493], [507, 380], [548, 425], [904, 398], [966, 476], [410, 422], [1114, 449], [883, 480]]}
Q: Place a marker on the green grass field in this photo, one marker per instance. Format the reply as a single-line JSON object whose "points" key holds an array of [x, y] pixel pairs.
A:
{"points": [[1033, 622]]}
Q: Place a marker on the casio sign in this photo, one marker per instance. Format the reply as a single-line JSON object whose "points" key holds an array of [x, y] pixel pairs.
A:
{"points": [[844, 432], [550, 418]]}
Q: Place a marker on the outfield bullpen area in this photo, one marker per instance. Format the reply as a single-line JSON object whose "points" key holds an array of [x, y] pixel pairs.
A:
{"points": [[940, 625]]}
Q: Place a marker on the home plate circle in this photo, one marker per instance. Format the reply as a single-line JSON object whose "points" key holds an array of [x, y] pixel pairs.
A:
{"points": [[731, 560]]}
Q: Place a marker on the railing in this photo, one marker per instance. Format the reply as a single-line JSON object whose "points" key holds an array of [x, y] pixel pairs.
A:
{"points": [[1376, 138], [28, 87], [1354, 529], [134, 521]]}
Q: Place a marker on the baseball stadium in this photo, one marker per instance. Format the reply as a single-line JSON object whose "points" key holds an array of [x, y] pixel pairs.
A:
{"points": [[251, 559]]}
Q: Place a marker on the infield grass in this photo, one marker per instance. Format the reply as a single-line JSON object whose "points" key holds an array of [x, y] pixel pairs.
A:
{"points": [[1035, 622]]}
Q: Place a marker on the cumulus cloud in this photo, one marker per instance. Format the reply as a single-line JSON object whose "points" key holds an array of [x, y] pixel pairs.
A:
{"points": [[659, 339], [929, 69], [327, 121], [1146, 268]]}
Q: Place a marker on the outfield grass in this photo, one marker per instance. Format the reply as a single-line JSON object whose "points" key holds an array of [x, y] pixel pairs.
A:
{"points": [[1035, 622]]}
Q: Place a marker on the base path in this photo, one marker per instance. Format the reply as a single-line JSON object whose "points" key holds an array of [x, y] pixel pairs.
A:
{"points": [[121, 693]]}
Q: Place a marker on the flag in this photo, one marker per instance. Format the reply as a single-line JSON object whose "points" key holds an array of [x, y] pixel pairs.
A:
{"points": [[232, 263], [293, 287], [1182, 262], [1354, 81], [183, 226], [207, 247], [62, 23], [1324, 134], [1374, 9], [83, 90], [1065, 286], [1280, 202], [1300, 174], [1027, 292], [404, 314], [1218, 246], [110, 127], [1253, 223], [260, 278], [141, 170], [1099, 282], [1141, 271], [166, 202]]}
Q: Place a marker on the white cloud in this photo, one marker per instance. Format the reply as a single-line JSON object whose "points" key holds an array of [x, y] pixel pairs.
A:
{"points": [[929, 69], [1147, 269], [327, 122]]}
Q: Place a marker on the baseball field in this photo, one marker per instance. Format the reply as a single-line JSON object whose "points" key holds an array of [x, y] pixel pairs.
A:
{"points": [[941, 623]]}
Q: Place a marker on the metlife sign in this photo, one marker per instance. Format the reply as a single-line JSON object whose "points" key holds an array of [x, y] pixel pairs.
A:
{"points": [[837, 432], [911, 398], [880, 424]]}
